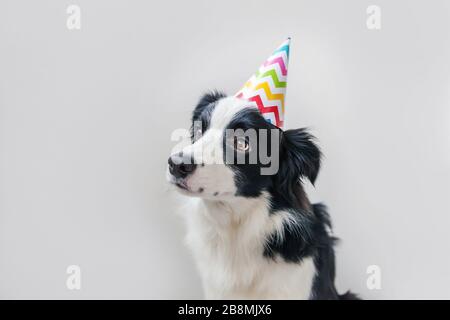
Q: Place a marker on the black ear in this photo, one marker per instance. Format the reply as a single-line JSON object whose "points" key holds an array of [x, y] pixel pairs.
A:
{"points": [[299, 158], [207, 99]]}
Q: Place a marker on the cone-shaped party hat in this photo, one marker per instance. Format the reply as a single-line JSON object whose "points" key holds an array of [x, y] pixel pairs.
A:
{"points": [[267, 87]]}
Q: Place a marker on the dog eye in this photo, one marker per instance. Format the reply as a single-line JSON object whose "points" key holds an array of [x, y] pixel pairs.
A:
{"points": [[241, 144]]}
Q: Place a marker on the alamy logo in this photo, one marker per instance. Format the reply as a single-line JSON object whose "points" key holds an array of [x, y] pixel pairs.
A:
{"points": [[374, 19], [73, 281], [74, 18], [374, 279], [250, 146]]}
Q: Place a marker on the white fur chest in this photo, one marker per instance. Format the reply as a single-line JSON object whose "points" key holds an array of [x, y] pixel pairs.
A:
{"points": [[228, 244]]}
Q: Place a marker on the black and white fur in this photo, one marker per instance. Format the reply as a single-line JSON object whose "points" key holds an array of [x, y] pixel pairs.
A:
{"points": [[255, 236]]}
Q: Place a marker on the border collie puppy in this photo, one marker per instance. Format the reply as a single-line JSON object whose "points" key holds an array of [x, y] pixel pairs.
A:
{"points": [[253, 232]]}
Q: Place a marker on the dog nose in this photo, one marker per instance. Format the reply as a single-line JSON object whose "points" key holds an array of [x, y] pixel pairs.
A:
{"points": [[180, 166]]}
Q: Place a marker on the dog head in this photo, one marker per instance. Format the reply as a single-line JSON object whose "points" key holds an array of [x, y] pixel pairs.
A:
{"points": [[235, 152]]}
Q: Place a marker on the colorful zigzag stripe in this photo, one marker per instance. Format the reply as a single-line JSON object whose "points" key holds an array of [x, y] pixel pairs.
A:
{"points": [[267, 87]]}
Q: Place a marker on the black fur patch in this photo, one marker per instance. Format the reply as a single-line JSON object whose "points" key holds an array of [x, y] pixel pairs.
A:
{"points": [[204, 109], [299, 158], [248, 179], [309, 238]]}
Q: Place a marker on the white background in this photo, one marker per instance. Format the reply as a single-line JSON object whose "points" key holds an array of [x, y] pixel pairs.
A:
{"points": [[86, 118]]}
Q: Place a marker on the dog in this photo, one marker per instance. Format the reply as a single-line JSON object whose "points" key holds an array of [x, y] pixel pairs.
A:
{"points": [[253, 235]]}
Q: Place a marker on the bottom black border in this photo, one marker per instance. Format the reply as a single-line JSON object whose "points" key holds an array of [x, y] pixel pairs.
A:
{"points": [[196, 309]]}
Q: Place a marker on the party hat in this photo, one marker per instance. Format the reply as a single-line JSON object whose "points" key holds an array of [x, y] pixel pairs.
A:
{"points": [[267, 87]]}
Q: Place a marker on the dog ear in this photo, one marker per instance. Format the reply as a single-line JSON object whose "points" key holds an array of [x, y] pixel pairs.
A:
{"points": [[299, 158], [207, 99]]}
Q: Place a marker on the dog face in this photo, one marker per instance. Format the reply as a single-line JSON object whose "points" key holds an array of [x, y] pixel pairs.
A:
{"points": [[235, 152]]}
